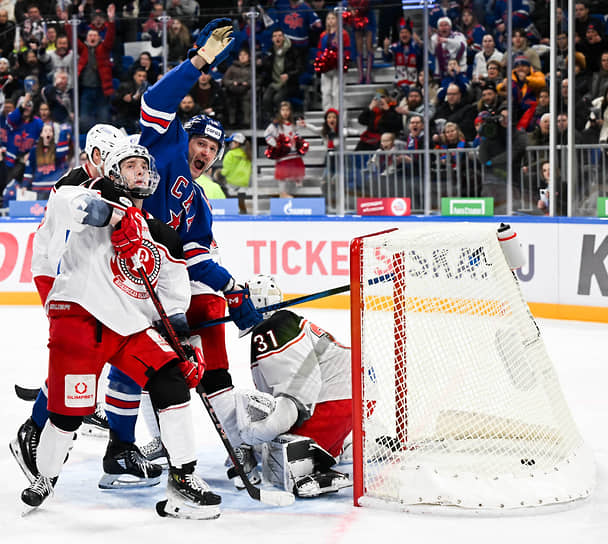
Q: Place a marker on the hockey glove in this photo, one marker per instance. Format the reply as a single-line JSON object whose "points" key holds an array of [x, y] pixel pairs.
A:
{"points": [[194, 367], [127, 237], [88, 209], [215, 42], [241, 309]]}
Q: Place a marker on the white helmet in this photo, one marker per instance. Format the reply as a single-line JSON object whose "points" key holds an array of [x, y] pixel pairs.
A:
{"points": [[264, 291], [126, 150], [103, 137]]}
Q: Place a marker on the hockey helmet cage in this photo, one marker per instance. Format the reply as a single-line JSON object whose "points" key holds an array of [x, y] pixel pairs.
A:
{"points": [[118, 155], [264, 291], [103, 137], [207, 127]]}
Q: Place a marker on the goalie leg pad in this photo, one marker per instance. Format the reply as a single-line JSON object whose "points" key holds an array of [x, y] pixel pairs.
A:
{"points": [[299, 465]]}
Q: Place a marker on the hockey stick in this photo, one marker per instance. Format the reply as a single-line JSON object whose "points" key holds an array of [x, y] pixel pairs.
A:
{"points": [[279, 305], [25, 393], [274, 498]]}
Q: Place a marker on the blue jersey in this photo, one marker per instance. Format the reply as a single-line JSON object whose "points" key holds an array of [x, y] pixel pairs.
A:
{"points": [[22, 135], [42, 177], [179, 201]]}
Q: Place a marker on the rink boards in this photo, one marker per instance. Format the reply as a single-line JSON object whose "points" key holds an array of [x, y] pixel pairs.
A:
{"points": [[566, 276]]}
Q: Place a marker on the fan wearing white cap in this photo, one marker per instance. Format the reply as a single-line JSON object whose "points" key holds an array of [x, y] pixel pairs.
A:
{"points": [[448, 44]]}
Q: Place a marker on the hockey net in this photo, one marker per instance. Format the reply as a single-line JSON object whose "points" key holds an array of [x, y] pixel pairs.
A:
{"points": [[456, 402]]}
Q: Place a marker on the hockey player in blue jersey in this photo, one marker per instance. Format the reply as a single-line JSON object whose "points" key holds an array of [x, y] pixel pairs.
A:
{"points": [[182, 154]]}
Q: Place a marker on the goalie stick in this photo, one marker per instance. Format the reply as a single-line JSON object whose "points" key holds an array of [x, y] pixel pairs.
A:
{"points": [[274, 498]]}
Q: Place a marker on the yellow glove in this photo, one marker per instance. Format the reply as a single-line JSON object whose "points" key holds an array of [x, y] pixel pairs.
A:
{"points": [[219, 41]]}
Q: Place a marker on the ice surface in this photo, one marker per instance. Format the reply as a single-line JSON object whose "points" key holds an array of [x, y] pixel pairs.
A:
{"points": [[80, 512]]}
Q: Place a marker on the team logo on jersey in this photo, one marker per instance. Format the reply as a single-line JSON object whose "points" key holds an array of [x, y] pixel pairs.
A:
{"points": [[126, 276]]}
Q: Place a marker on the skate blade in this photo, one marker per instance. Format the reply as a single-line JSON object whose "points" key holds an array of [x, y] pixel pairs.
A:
{"points": [[184, 511], [93, 431], [126, 481], [28, 510], [16, 451]]}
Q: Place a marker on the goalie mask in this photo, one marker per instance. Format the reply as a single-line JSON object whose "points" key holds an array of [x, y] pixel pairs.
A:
{"points": [[264, 291], [132, 169]]}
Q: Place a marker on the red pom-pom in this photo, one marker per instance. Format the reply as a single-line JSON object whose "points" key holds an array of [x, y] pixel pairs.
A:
{"points": [[360, 21], [302, 145]]}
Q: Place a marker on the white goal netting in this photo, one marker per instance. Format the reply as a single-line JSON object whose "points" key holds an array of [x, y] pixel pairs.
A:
{"points": [[459, 402]]}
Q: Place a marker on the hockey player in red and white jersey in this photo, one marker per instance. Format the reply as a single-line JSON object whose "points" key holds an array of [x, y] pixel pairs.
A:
{"points": [[123, 463], [301, 411], [99, 311]]}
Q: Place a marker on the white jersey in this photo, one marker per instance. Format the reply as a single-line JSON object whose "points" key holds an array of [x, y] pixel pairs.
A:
{"points": [[293, 357], [89, 273]]}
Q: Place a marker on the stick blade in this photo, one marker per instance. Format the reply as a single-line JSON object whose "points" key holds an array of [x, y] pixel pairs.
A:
{"points": [[25, 393], [277, 498]]}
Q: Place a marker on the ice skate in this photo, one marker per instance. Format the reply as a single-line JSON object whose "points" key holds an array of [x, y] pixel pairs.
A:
{"points": [[125, 467], [34, 495], [95, 424], [155, 451], [188, 496], [245, 455], [24, 448], [319, 483]]}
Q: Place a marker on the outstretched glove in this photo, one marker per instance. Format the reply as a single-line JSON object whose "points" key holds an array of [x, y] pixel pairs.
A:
{"points": [[241, 309], [214, 42], [89, 209], [127, 237], [194, 367]]}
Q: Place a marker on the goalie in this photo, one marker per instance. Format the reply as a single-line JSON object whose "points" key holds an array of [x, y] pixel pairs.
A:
{"points": [[301, 412]]}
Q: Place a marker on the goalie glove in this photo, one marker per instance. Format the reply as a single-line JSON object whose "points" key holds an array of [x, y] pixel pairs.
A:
{"points": [[128, 235], [215, 42], [194, 367], [260, 417]]}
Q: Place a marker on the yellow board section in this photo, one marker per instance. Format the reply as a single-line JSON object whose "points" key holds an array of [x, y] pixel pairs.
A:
{"points": [[19, 299], [342, 302]]}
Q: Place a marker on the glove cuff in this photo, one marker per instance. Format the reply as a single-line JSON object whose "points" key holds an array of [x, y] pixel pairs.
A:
{"points": [[205, 55]]}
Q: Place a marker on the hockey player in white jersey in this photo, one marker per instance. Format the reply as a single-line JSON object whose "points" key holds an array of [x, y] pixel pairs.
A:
{"points": [[100, 311], [301, 412], [123, 463]]}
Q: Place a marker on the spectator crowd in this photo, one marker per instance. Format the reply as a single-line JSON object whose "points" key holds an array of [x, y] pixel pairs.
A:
{"points": [[296, 46]]}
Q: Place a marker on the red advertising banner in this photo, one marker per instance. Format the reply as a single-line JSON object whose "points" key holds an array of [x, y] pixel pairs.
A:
{"points": [[384, 206]]}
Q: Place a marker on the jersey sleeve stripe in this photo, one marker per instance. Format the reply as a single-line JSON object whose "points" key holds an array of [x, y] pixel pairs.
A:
{"points": [[156, 119], [193, 261], [196, 252]]}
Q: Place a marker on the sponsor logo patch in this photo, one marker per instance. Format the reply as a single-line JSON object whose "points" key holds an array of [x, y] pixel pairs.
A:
{"points": [[80, 390]]}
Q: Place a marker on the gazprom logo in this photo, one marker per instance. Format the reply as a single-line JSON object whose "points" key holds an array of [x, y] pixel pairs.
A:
{"points": [[288, 209], [298, 206]]}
